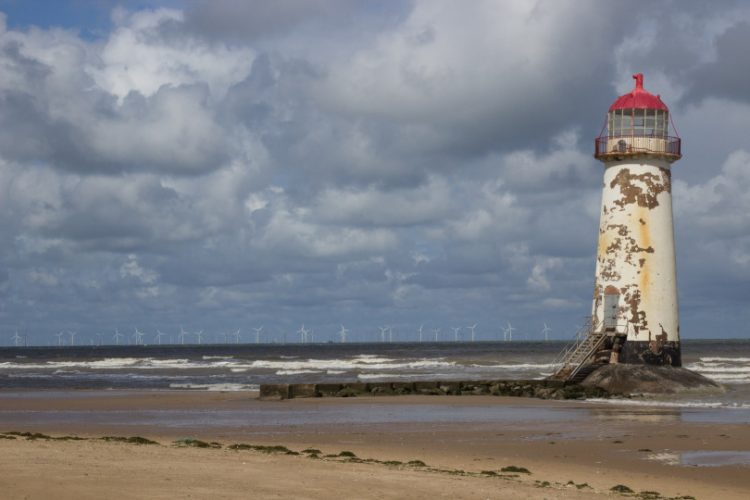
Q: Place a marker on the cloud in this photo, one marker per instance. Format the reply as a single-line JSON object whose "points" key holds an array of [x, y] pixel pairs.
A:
{"points": [[149, 49], [83, 111], [456, 71]]}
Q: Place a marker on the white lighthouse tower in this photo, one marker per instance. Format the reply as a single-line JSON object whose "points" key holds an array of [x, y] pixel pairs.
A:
{"points": [[635, 309]]}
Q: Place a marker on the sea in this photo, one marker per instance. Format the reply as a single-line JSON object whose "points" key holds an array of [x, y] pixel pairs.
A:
{"points": [[243, 367]]}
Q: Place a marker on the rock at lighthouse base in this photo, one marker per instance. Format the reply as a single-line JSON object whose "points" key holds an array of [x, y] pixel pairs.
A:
{"points": [[631, 380]]}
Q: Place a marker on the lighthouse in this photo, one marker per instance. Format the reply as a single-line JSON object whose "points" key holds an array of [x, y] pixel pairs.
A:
{"points": [[635, 311]]}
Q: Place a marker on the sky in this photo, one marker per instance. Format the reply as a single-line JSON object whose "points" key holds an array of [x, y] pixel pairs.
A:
{"points": [[228, 164]]}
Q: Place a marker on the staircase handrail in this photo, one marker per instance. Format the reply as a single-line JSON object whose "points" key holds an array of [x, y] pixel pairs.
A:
{"points": [[592, 350], [580, 336]]}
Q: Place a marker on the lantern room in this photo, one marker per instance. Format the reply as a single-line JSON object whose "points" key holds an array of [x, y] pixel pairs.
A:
{"points": [[638, 123]]}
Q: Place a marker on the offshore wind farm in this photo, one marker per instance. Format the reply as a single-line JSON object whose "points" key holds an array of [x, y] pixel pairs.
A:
{"points": [[274, 336]]}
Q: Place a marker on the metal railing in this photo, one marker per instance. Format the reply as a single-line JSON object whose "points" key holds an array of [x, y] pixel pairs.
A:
{"points": [[580, 336], [606, 146]]}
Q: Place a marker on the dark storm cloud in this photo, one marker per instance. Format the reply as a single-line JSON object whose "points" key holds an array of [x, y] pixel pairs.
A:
{"points": [[726, 77], [241, 21]]}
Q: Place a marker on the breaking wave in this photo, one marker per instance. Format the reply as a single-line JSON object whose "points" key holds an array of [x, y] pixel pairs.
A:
{"points": [[723, 369]]}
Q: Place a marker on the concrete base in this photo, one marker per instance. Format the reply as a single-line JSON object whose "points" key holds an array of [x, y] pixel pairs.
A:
{"points": [[631, 380], [544, 389], [651, 353]]}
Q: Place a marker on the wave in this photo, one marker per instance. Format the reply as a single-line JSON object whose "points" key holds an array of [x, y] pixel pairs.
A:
{"points": [[217, 387], [719, 369], [519, 366], [409, 376], [715, 359], [356, 363], [372, 359], [371, 376], [729, 378], [350, 365], [671, 404], [297, 372], [107, 364]]}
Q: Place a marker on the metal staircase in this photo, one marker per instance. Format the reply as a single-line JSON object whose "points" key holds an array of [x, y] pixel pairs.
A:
{"points": [[573, 359]]}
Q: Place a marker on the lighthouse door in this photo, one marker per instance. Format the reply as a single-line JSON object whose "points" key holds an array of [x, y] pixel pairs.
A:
{"points": [[610, 310]]}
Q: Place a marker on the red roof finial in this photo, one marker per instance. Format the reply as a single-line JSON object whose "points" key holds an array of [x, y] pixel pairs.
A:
{"points": [[638, 98], [638, 81]]}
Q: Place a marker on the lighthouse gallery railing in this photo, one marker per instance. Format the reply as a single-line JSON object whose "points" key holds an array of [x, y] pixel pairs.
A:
{"points": [[634, 144]]}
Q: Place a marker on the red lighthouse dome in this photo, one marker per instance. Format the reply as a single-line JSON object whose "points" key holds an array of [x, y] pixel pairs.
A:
{"points": [[639, 98]]}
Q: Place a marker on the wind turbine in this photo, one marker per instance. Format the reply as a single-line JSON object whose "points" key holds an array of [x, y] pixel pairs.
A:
{"points": [[199, 334], [236, 336], [98, 338], [117, 336], [302, 334], [16, 339], [72, 337], [383, 330], [455, 333], [138, 337], [181, 335], [158, 337], [545, 332], [421, 327], [342, 334], [257, 333], [472, 327], [390, 334], [436, 331], [59, 336], [508, 332]]}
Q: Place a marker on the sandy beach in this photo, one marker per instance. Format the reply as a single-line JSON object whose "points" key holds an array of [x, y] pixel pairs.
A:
{"points": [[571, 449]]}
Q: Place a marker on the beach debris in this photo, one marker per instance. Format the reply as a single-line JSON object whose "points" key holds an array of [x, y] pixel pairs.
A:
{"points": [[31, 436], [578, 486], [348, 454], [277, 448], [129, 440], [416, 463], [28, 435], [621, 488], [515, 469], [196, 443], [649, 495]]}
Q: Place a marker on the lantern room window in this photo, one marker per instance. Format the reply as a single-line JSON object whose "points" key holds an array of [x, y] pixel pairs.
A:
{"points": [[638, 122]]}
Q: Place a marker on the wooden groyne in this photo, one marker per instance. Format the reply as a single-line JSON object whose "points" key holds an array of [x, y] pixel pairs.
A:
{"points": [[543, 389]]}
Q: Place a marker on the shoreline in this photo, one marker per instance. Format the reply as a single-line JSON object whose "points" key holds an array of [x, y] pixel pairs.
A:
{"points": [[600, 444]]}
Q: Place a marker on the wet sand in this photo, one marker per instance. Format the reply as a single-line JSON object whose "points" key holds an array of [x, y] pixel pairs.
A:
{"points": [[602, 445]]}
